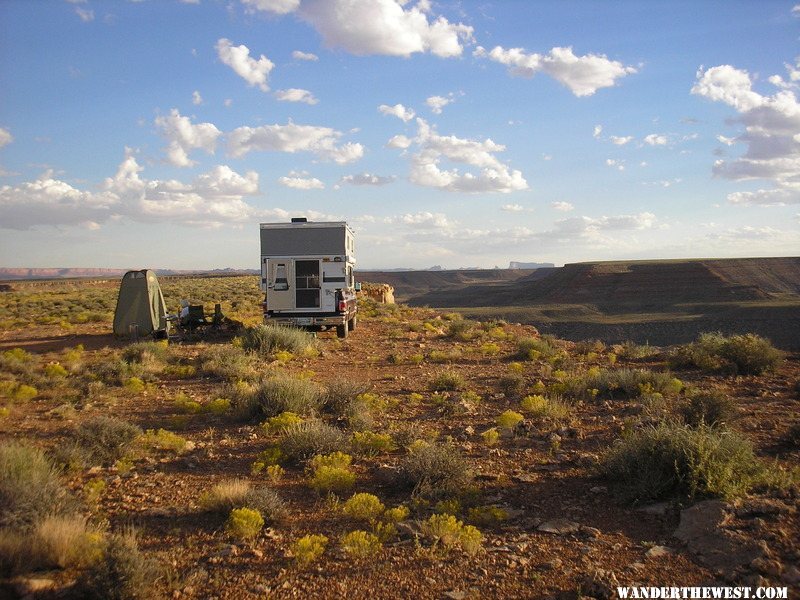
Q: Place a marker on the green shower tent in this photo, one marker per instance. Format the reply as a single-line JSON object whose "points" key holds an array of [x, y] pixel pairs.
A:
{"points": [[140, 303]]}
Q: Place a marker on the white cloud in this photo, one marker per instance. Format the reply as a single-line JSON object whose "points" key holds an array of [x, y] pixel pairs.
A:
{"points": [[621, 141], [771, 135], [590, 227], [366, 179], [598, 130], [296, 95], [254, 72], [437, 103], [293, 138], [493, 176], [562, 206], [183, 137], [422, 220], [366, 27], [212, 199], [726, 140], [398, 110], [582, 75], [655, 139], [197, 99], [86, 14], [399, 141], [302, 183], [308, 56], [5, 137], [512, 207], [616, 163], [796, 10], [279, 7]]}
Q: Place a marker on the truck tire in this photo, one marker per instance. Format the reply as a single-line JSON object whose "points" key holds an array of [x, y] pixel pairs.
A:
{"points": [[341, 330], [351, 324]]}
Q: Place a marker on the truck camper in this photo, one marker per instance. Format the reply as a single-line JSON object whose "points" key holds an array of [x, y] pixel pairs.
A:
{"points": [[307, 275]]}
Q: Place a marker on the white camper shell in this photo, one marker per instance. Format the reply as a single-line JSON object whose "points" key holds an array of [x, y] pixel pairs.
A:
{"points": [[307, 274]]}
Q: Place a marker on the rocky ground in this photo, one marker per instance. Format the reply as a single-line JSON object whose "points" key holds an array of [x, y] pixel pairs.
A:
{"points": [[565, 533]]}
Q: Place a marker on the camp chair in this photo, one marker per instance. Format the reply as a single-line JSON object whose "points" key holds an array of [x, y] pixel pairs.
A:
{"points": [[195, 318]]}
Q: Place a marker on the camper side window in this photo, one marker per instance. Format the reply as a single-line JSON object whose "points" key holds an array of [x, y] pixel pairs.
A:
{"points": [[350, 281], [281, 282]]}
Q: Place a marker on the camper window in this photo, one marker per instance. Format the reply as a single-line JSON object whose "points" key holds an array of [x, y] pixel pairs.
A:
{"points": [[281, 282]]}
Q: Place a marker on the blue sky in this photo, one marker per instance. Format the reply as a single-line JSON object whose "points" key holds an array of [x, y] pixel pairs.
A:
{"points": [[160, 133]]}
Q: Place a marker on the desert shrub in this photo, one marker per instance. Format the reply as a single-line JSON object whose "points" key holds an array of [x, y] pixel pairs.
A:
{"points": [[361, 544], [747, 354], [511, 384], [633, 351], [711, 407], [446, 381], [267, 502], [621, 383], [396, 514], [490, 437], [66, 541], [435, 470], [363, 506], [123, 573], [450, 532], [460, 330], [266, 339], [487, 516], [311, 437], [281, 422], [217, 406], [793, 436], [227, 362], [55, 370], [183, 403], [267, 458], [17, 361], [340, 393], [531, 348], [30, 488], [274, 396], [244, 523], [675, 460], [331, 472], [105, 439], [162, 440], [509, 419], [309, 548], [368, 443], [546, 408], [225, 496]]}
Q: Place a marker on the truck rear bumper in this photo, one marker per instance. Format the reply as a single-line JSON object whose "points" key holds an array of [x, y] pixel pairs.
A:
{"points": [[310, 321]]}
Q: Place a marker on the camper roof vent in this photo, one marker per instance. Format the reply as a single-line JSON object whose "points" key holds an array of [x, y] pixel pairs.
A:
{"points": [[299, 220]]}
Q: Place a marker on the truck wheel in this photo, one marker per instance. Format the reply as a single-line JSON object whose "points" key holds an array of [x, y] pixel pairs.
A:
{"points": [[341, 331], [351, 324]]}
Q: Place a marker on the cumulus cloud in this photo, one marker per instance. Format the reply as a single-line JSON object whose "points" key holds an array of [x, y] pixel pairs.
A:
{"points": [[366, 179], [422, 220], [279, 7], [492, 175], [254, 72], [582, 75], [292, 138], [620, 141], [771, 134], [597, 132], [594, 226], [296, 95], [5, 137], [512, 207], [85, 14], [197, 99], [211, 199], [655, 139], [726, 140], [616, 163], [562, 206], [183, 137], [399, 141], [364, 27], [398, 110], [307, 56], [437, 103], [301, 183]]}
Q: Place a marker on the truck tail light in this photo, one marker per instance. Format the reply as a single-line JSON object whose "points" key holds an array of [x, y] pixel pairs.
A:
{"points": [[342, 306]]}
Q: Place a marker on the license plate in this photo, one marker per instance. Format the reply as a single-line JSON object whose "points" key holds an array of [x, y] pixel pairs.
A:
{"points": [[304, 321]]}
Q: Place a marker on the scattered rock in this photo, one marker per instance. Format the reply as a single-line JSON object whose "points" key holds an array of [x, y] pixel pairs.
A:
{"points": [[559, 526], [761, 507], [599, 489], [660, 509], [791, 575], [455, 595], [600, 584], [590, 532], [767, 566], [525, 478], [29, 586], [658, 552]]}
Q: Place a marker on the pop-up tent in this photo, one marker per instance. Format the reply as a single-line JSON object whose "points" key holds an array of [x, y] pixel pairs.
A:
{"points": [[140, 303]]}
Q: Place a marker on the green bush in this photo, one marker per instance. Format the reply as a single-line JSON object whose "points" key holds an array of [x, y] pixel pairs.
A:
{"points": [[368, 443], [712, 408], [123, 573], [363, 506], [530, 348], [511, 384], [435, 470], [448, 531], [283, 394], [446, 381], [30, 488], [244, 523], [104, 440], [509, 419], [146, 352], [228, 362], [621, 383], [309, 548], [361, 544], [747, 354], [340, 394], [312, 437], [673, 460], [266, 339]]}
